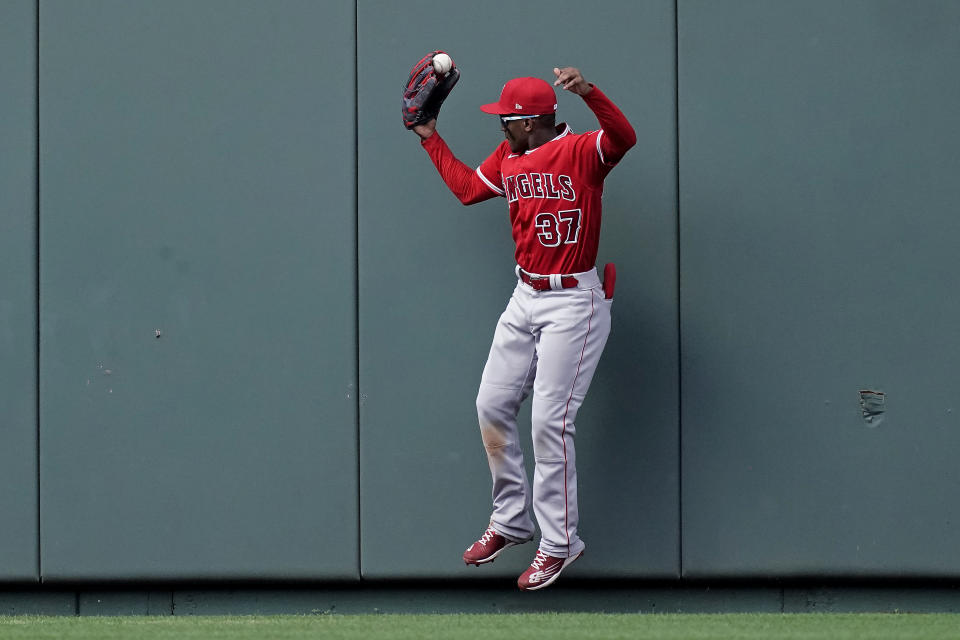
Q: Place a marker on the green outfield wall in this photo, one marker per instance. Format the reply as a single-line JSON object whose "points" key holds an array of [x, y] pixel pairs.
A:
{"points": [[19, 534], [242, 321], [818, 221]]}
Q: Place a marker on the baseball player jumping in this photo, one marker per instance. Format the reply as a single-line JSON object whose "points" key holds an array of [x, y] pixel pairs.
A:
{"points": [[550, 337]]}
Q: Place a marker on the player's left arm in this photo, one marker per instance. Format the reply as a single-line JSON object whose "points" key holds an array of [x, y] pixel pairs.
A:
{"points": [[618, 135]]}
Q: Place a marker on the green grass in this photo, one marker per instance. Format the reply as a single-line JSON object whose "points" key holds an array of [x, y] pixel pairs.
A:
{"points": [[488, 627]]}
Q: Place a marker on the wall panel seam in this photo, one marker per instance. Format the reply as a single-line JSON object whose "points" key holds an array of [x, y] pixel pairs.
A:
{"points": [[356, 248], [676, 79], [37, 195]]}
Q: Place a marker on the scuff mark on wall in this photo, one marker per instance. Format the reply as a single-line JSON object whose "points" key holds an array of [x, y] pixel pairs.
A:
{"points": [[873, 404]]}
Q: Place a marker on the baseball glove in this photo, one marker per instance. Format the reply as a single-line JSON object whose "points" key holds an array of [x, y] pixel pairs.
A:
{"points": [[426, 90]]}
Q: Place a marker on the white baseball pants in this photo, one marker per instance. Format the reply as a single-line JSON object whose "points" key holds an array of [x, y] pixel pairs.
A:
{"points": [[549, 342]]}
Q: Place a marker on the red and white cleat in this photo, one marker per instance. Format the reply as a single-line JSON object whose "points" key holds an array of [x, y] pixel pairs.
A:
{"points": [[488, 547], [544, 571]]}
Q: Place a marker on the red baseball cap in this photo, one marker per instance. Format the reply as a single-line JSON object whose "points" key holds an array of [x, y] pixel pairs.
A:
{"points": [[524, 96]]}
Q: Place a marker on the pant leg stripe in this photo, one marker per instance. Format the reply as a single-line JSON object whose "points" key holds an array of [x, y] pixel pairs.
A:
{"points": [[563, 435]]}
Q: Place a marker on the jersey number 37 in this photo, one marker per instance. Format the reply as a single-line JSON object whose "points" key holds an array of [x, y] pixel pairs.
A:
{"points": [[561, 227]]}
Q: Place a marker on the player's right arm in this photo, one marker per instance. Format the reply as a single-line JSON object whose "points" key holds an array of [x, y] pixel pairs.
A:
{"points": [[465, 183]]}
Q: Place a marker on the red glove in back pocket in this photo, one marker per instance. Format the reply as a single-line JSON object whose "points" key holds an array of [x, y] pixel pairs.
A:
{"points": [[609, 279]]}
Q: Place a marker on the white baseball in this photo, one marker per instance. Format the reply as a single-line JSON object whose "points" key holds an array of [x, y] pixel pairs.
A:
{"points": [[442, 63]]}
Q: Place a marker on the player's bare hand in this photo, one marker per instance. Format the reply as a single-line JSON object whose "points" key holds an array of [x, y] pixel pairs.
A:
{"points": [[426, 129], [572, 80]]}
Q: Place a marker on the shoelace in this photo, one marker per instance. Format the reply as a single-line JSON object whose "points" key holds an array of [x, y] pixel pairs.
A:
{"points": [[487, 536], [538, 561]]}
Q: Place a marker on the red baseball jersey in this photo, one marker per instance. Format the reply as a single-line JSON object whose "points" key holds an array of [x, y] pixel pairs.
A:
{"points": [[554, 191]]}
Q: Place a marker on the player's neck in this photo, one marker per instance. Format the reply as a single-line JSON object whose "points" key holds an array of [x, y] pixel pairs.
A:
{"points": [[539, 137]]}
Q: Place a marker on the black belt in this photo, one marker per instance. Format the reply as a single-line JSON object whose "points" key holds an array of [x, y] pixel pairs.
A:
{"points": [[542, 283]]}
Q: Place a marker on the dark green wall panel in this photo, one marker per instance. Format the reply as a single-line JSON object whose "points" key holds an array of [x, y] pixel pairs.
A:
{"points": [[18, 291], [198, 290], [819, 199], [435, 276]]}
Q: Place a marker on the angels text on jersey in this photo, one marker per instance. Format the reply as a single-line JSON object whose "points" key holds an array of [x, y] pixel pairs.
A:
{"points": [[539, 185]]}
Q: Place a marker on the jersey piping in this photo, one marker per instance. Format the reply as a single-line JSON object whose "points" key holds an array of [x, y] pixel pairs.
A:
{"points": [[492, 186]]}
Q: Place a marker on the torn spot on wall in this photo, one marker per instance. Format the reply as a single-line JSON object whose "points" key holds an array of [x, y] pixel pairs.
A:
{"points": [[873, 404]]}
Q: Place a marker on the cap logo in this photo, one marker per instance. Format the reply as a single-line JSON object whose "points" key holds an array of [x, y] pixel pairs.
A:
{"points": [[517, 106]]}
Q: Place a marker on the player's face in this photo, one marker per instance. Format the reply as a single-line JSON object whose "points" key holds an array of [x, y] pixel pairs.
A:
{"points": [[514, 132]]}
